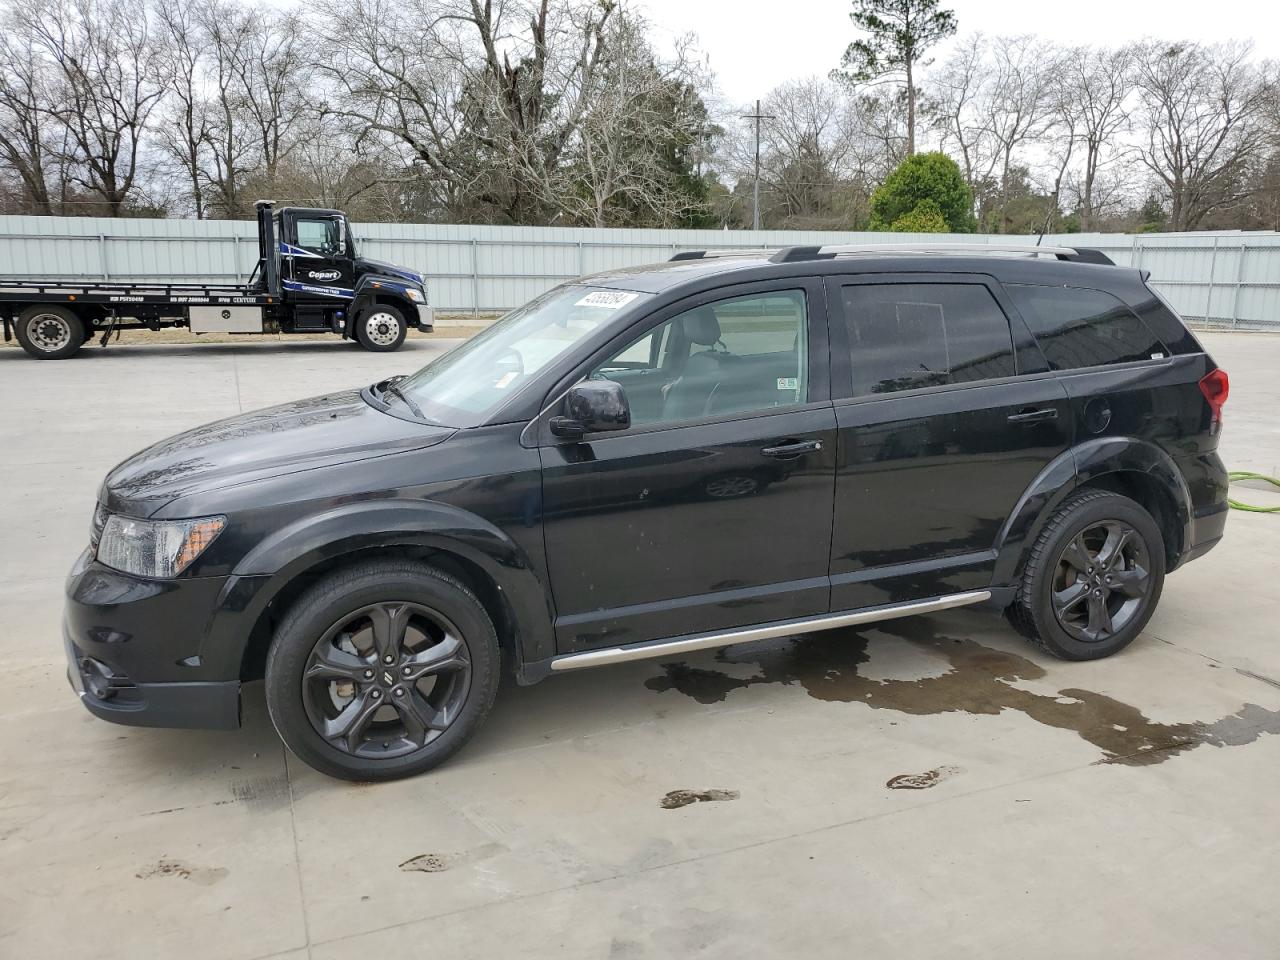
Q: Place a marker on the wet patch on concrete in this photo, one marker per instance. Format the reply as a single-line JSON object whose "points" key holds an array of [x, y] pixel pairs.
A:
{"points": [[921, 781], [263, 792], [980, 681], [440, 862], [682, 798], [204, 876], [426, 863]]}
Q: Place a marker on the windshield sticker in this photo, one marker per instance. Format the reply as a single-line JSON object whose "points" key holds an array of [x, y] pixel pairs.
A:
{"points": [[788, 383], [608, 299]]}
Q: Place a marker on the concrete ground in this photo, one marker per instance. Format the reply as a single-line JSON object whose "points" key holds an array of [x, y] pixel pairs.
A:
{"points": [[932, 788]]}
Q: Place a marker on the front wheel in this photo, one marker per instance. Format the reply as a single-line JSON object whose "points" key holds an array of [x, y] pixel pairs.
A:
{"points": [[1092, 579], [382, 671], [50, 332], [381, 328]]}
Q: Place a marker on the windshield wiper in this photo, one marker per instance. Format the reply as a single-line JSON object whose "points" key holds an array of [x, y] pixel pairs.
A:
{"points": [[391, 387]]}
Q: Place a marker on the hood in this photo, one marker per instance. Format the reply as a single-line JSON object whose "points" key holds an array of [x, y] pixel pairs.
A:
{"points": [[390, 270], [303, 435]]}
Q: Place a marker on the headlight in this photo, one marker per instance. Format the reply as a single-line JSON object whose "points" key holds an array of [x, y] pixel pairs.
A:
{"points": [[159, 548], [417, 296]]}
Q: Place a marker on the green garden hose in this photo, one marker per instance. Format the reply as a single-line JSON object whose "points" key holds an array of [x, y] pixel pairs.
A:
{"points": [[1248, 475]]}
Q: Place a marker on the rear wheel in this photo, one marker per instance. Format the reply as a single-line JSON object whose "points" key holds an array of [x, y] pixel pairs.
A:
{"points": [[1093, 578], [382, 671], [50, 332], [381, 328]]}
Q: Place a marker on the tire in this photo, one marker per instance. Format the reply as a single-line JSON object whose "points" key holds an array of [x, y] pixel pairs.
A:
{"points": [[381, 328], [50, 332], [354, 716], [1078, 599]]}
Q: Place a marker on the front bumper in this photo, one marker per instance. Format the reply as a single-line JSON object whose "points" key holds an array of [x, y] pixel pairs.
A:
{"points": [[134, 650], [426, 318]]}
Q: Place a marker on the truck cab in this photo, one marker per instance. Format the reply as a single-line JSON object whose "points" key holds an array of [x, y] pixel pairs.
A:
{"points": [[309, 259]]}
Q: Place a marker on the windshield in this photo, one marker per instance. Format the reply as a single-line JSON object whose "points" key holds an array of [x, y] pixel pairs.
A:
{"points": [[468, 383]]}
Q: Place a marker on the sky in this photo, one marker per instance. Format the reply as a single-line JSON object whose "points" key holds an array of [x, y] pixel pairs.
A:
{"points": [[756, 45]]}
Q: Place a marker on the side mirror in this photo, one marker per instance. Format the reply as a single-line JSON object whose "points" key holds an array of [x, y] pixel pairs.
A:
{"points": [[592, 406]]}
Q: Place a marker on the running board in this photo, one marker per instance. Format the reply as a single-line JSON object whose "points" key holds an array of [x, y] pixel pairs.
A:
{"points": [[782, 628]]}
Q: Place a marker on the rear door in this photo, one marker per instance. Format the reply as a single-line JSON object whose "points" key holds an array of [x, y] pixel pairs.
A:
{"points": [[714, 509], [945, 414], [1122, 379]]}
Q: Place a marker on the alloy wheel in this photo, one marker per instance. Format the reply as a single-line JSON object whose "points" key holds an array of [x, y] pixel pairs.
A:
{"points": [[1102, 581], [386, 680]]}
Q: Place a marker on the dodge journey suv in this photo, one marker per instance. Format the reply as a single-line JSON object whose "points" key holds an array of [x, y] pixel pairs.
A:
{"points": [[655, 460]]}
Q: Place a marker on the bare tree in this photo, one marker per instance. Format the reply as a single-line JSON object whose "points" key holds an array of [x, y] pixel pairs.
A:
{"points": [[1094, 102], [106, 88], [618, 161], [28, 145], [955, 91], [185, 129], [1017, 103], [1201, 106]]}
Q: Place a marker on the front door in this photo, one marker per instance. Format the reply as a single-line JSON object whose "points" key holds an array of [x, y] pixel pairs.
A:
{"points": [[946, 414], [714, 509], [316, 267]]}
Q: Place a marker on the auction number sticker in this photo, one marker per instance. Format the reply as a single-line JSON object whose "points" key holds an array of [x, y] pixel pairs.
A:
{"points": [[608, 299]]}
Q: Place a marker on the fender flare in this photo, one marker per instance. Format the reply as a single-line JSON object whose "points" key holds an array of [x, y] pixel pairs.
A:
{"points": [[263, 573], [1073, 469], [372, 289]]}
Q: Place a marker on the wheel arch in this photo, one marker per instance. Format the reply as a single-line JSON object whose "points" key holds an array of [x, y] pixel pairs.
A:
{"points": [[371, 291], [272, 576], [1136, 468]]}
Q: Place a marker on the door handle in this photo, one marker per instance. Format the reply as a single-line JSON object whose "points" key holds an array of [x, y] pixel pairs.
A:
{"points": [[1034, 415], [792, 448]]}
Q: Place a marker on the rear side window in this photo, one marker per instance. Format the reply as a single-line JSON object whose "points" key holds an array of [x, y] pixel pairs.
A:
{"points": [[1078, 328], [903, 336]]}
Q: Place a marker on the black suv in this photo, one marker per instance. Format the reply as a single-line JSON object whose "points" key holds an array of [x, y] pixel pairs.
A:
{"points": [[655, 460]]}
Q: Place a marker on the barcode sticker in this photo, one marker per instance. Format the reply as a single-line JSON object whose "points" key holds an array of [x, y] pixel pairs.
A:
{"points": [[608, 299]]}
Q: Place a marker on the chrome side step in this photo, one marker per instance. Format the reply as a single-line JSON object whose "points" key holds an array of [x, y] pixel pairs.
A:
{"points": [[782, 628]]}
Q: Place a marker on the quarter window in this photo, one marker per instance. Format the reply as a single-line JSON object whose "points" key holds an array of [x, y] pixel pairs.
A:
{"points": [[904, 336], [1078, 328], [732, 356]]}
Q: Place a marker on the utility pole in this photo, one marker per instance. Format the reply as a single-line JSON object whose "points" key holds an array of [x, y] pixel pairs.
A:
{"points": [[755, 204]]}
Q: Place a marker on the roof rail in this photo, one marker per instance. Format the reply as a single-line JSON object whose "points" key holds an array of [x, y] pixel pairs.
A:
{"points": [[724, 252], [1075, 254], [799, 254]]}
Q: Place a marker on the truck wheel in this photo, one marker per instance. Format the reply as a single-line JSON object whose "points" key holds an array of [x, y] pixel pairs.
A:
{"points": [[1093, 577], [50, 332], [382, 670], [381, 328]]}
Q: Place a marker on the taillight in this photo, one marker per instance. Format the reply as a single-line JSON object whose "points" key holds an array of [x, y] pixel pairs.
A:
{"points": [[1215, 386]]}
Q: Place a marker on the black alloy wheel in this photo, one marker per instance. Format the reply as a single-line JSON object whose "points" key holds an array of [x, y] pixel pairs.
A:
{"points": [[382, 670], [1092, 577], [1102, 581], [386, 680]]}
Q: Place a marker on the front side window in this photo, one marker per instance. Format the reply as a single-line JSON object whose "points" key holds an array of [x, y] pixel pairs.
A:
{"points": [[321, 235], [904, 336], [1076, 327], [739, 355], [468, 383]]}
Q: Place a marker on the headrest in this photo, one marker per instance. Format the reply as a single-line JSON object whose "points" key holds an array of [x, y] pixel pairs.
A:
{"points": [[701, 326]]}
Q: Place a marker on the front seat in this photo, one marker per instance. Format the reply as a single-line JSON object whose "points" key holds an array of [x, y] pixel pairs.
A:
{"points": [[688, 395]]}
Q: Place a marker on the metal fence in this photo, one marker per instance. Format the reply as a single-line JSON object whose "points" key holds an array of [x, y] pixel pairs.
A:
{"points": [[1229, 279]]}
